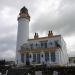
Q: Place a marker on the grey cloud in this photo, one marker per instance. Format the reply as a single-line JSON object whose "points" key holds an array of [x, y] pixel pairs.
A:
{"points": [[7, 41], [8, 25], [8, 46], [62, 21]]}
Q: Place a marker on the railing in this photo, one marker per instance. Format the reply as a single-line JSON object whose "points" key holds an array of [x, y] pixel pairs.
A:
{"points": [[40, 45], [38, 49]]}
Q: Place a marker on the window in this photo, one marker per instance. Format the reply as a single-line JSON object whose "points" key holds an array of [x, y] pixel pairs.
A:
{"points": [[46, 45], [53, 56], [34, 57], [22, 58], [46, 56], [30, 56], [42, 44], [36, 45], [38, 58]]}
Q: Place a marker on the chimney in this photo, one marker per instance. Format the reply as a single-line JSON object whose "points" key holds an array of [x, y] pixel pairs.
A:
{"points": [[36, 35], [50, 33]]}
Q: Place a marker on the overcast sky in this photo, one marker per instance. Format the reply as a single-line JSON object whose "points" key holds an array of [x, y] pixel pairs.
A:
{"points": [[56, 15]]}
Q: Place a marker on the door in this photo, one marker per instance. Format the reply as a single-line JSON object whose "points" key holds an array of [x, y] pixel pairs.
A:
{"points": [[27, 59]]}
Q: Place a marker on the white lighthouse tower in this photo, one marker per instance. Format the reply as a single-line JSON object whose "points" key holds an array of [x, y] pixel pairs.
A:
{"points": [[23, 31]]}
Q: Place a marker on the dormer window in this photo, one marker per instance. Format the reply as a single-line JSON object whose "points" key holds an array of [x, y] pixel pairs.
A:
{"points": [[31, 46], [37, 45], [43, 44], [46, 45], [57, 44], [50, 43]]}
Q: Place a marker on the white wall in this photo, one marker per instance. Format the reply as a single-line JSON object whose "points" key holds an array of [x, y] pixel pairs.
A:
{"points": [[23, 32], [61, 53], [57, 53], [64, 54]]}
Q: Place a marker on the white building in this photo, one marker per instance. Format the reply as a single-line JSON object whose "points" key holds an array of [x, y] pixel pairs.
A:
{"points": [[38, 50]]}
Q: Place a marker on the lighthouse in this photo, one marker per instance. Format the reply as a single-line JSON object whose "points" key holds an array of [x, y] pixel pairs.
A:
{"points": [[50, 49], [23, 31]]}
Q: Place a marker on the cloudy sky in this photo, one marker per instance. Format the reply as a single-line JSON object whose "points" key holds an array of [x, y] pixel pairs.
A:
{"points": [[56, 15]]}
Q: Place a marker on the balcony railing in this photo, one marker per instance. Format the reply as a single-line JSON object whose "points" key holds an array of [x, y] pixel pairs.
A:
{"points": [[38, 49]]}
